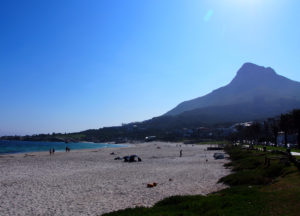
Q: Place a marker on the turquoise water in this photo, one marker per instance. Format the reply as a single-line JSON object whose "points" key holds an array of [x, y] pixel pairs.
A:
{"points": [[10, 147]]}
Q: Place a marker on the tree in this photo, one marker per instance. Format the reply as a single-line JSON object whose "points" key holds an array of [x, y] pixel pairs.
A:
{"points": [[296, 124], [275, 129], [253, 132], [286, 125], [267, 133]]}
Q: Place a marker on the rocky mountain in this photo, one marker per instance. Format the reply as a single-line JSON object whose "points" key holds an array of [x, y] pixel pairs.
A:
{"points": [[255, 92]]}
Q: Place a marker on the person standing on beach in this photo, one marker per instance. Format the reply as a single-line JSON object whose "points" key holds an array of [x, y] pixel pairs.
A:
{"points": [[50, 151], [53, 151], [180, 152]]}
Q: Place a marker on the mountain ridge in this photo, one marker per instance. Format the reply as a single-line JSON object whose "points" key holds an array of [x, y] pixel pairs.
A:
{"points": [[252, 83]]}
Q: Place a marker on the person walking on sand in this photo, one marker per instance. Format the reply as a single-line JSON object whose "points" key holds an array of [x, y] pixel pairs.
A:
{"points": [[50, 151], [180, 152], [53, 151]]}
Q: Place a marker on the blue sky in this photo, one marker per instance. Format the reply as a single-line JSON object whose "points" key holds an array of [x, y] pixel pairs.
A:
{"points": [[68, 66]]}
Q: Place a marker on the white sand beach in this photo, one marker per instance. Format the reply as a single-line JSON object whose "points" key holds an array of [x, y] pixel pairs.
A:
{"points": [[91, 182]]}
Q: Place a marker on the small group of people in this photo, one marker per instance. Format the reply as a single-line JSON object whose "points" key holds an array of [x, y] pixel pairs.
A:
{"points": [[51, 151]]}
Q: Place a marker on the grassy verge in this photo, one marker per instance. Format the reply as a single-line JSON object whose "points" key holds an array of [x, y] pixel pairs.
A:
{"points": [[256, 189], [278, 148]]}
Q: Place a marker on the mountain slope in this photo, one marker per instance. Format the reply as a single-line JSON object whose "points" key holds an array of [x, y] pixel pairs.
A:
{"points": [[223, 115], [253, 85]]}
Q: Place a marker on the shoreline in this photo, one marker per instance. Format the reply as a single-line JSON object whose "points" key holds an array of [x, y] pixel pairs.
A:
{"points": [[91, 182], [73, 150]]}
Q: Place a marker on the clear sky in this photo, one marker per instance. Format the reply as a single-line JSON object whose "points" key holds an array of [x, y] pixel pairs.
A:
{"points": [[72, 65]]}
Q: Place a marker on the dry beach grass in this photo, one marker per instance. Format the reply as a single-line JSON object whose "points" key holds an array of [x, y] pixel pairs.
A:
{"points": [[91, 182]]}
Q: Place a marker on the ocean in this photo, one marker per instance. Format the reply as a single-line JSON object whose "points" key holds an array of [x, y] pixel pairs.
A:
{"points": [[11, 147]]}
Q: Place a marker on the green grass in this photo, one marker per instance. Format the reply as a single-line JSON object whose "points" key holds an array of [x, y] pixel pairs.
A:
{"points": [[283, 196], [222, 203], [279, 148], [256, 189], [250, 169]]}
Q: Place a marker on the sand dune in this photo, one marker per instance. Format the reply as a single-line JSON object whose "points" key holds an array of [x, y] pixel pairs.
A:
{"points": [[91, 182]]}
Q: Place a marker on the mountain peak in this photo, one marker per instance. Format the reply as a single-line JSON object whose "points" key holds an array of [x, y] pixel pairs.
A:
{"points": [[252, 72], [255, 69], [249, 65]]}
